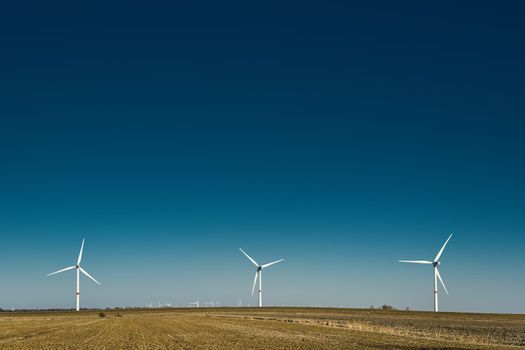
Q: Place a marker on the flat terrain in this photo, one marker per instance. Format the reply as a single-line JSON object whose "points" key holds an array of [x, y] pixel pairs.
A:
{"points": [[270, 328]]}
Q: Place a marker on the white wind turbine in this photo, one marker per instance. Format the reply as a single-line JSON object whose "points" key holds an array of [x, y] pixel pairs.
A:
{"points": [[437, 275], [258, 274], [79, 269]]}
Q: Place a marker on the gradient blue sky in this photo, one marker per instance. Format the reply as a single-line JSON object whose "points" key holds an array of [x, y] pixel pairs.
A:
{"points": [[340, 137]]}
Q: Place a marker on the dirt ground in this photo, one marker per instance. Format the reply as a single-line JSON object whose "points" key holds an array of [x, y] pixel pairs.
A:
{"points": [[269, 328]]}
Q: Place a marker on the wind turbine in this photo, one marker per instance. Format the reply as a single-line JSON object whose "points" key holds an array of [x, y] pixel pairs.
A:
{"points": [[79, 269], [258, 274], [195, 304], [437, 275]]}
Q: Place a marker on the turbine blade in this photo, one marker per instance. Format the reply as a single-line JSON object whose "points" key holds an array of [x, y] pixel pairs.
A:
{"points": [[441, 280], [65, 269], [249, 257], [80, 254], [87, 274], [416, 262], [270, 264], [442, 249], [255, 281]]}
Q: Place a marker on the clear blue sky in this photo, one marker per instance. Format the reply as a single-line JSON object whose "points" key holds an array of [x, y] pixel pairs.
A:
{"points": [[340, 137]]}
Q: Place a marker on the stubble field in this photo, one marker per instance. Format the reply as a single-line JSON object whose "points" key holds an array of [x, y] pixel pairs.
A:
{"points": [[270, 328]]}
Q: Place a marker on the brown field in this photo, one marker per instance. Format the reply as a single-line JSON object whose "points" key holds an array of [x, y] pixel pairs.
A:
{"points": [[270, 328]]}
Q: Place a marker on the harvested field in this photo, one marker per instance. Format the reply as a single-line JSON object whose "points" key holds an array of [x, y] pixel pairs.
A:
{"points": [[270, 328]]}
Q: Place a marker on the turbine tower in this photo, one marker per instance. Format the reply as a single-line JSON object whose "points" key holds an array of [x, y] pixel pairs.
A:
{"points": [[258, 274], [437, 275], [79, 269]]}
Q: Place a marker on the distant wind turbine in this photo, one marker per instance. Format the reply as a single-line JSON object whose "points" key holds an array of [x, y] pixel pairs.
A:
{"points": [[258, 274], [437, 275], [79, 269]]}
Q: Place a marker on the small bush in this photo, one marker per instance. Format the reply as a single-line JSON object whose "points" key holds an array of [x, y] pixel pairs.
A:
{"points": [[101, 314]]}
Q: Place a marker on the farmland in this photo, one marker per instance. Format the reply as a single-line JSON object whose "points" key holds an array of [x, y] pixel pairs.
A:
{"points": [[269, 328]]}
